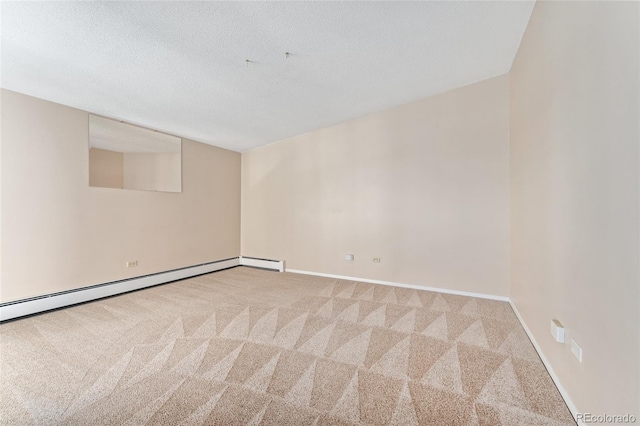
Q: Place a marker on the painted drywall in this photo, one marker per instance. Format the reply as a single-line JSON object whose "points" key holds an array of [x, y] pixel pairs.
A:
{"points": [[159, 171], [106, 168], [575, 196], [1, 244], [59, 234], [423, 186]]}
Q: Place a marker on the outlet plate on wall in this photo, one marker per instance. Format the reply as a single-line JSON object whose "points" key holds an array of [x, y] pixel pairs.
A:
{"points": [[576, 350], [557, 331]]}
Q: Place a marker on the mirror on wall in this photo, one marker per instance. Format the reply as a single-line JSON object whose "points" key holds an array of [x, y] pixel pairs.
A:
{"points": [[125, 156]]}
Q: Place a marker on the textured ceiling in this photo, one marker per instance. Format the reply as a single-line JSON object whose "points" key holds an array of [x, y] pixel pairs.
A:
{"points": [[179, 67]]}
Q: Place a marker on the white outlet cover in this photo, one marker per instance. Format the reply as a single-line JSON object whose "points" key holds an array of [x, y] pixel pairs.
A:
{"points": [[576, 350], [557, 330], [348, 257]]}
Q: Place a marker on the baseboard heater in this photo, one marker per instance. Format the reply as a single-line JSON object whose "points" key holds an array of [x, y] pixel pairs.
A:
{"points": [[34, 305], [275, 265]]}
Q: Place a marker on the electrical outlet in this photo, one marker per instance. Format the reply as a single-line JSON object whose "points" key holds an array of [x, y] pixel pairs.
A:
{"points": [[557, 331], [132, 264], [376, 260], [576, 350], [349, 257]]}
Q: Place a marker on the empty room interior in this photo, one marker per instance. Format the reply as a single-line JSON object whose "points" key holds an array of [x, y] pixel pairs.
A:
{"points": [[320, 213]]}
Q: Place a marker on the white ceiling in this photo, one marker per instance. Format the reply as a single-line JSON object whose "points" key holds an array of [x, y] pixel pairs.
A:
{"points": [[179, 67]]}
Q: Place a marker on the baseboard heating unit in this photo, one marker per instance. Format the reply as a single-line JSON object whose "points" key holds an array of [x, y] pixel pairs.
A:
{"points": [[275, 265], [34, 305]]}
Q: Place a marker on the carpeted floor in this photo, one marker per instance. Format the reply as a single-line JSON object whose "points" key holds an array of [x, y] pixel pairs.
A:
{"points": [[247, 346]]}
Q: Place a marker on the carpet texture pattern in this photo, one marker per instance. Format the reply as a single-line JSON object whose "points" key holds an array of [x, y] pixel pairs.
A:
{"points": [[251, 347]]}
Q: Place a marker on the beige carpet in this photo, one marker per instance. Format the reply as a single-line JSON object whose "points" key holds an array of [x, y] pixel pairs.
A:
{"points": [[246, 346]]}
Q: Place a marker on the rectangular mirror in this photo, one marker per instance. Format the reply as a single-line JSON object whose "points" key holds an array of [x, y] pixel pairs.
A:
{"points": [[125, 156]]}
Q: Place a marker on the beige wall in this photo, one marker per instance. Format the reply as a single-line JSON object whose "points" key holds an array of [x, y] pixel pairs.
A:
{"points": [[424, 186], [106, 168], [575, 195], [1, 186], [160, 171], [58, 233]]}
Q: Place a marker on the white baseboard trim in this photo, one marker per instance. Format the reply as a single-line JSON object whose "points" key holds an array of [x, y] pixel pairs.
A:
{"points": [[276, 265], [36, 305], [394, 284], [547, 364]]}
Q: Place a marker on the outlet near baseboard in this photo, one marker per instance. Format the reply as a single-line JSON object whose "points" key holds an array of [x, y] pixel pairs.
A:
{"points": [[576, 350]]}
